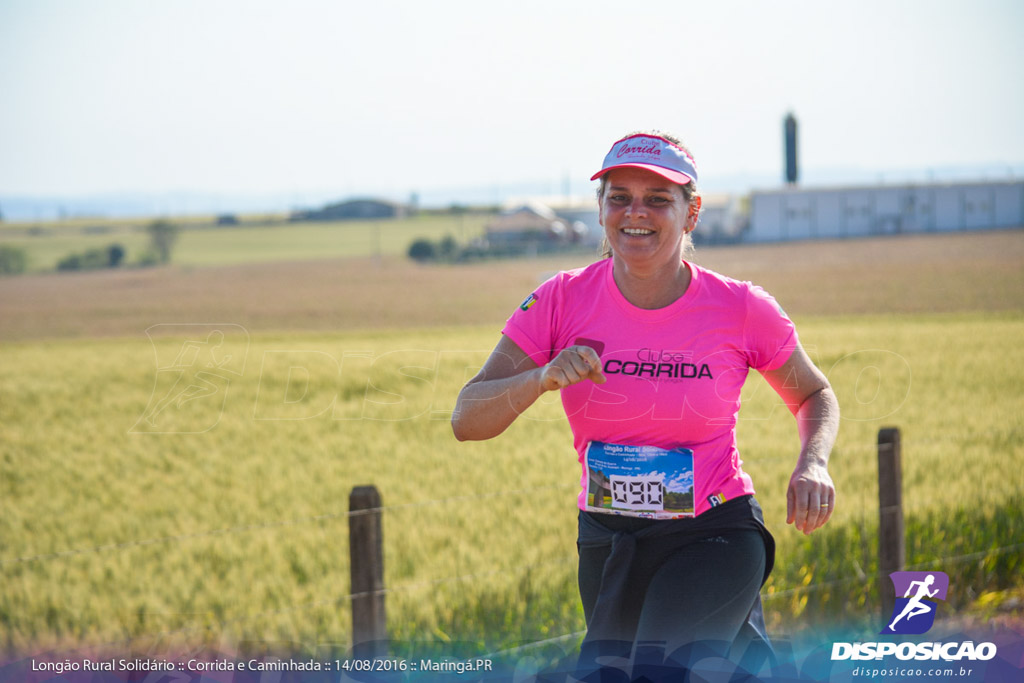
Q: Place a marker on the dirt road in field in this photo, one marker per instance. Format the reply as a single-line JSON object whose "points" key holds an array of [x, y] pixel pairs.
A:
{"points": [[908, 274]]}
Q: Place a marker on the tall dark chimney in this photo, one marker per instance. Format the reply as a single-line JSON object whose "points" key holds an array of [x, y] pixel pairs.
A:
{"points": [[792, 175]]}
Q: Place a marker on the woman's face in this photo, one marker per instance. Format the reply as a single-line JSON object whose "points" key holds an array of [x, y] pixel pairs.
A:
{"points": [[645, 217]]}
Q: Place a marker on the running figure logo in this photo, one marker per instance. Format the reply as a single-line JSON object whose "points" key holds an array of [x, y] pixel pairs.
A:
{"points": [[914, 612], [195, 365]]}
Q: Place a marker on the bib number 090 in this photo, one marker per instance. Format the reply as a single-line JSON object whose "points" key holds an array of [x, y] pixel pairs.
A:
{"points": [[638, 492]]}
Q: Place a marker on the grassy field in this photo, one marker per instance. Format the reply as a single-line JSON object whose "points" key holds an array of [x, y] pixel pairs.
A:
{"points": [[259, 241], [220, 522]]}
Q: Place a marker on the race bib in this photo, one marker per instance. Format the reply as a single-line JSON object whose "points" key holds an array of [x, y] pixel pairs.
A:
{"points": [[639, 481]]}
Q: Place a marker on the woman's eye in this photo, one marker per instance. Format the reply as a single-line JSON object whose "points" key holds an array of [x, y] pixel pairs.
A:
{"points": [[657, 200]]}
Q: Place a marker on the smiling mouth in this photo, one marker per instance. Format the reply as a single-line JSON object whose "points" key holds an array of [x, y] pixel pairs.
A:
{"points": [[637, 232]]}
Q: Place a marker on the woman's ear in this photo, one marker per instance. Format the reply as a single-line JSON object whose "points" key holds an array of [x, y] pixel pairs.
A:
{"points": [[693, 213]]}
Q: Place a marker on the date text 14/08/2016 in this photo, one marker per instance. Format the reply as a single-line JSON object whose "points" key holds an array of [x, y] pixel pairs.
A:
{"points": [[447, 666]]}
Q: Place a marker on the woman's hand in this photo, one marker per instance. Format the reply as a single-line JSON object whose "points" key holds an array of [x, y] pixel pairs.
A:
{"points": [[510, 382], [811, 497], [571, 366]]}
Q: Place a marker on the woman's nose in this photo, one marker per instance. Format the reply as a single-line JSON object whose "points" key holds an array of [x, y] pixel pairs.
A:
{"points": [[636, 208]]}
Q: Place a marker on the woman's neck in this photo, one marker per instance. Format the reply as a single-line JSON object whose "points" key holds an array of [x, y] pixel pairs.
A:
{"points": [[651, 289]]}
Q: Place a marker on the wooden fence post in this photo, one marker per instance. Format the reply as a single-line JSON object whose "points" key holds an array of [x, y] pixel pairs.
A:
{"points": [[366, 561], [891, 542]]}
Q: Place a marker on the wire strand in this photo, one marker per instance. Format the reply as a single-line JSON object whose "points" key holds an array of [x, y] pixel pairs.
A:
{"points": [[245, 528]]}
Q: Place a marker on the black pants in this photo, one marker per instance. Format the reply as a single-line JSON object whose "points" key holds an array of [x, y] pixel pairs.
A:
{"points": [[673, 583]]}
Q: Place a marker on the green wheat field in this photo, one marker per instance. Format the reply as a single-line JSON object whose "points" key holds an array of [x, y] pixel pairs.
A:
{"points": [[176, 477]]}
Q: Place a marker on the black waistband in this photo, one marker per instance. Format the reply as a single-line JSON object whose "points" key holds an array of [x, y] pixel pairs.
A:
{"points": [[744, 512]]}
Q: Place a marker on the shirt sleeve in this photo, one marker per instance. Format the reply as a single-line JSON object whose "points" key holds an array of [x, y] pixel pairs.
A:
{"points": [[769, 335], [533, 325]]}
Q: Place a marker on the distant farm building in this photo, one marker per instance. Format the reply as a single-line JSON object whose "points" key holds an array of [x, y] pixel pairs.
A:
{"points": [[354, 209], [723, 219], [799, 213], [535, 225], [556, 221], [583, 220]]}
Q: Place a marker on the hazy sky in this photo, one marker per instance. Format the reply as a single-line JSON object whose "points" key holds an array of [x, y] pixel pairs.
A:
{"points": [[304, 95]]}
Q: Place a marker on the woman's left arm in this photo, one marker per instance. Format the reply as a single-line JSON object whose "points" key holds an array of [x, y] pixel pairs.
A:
{"points": [[811, 497]]}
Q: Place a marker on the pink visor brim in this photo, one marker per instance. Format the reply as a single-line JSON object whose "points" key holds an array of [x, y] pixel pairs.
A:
{"points": [[675, 176]]}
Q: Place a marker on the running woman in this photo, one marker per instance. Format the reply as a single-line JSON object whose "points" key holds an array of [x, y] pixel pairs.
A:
{"points": [[650, 351]]}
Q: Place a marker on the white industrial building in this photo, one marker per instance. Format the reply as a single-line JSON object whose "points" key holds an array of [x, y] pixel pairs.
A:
{"points": [[723, 218], [794, 213]]}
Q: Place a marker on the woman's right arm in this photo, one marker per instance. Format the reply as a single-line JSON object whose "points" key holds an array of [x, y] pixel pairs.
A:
{"points": [[510, 382]]}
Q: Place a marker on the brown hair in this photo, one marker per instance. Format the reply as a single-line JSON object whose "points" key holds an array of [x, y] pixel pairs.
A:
{"points": [[689, 189]]}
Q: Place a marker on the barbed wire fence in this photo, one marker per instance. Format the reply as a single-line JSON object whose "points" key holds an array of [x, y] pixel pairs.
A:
{"points": [[375, 634], [336, 516]]}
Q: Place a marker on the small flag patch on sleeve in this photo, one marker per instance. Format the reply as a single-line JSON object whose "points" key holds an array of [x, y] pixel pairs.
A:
{"points": [[529, 301]]}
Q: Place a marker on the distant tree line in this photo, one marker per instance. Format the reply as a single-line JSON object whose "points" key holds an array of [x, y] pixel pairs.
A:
{"points": [[163, 235], [445, 250], [13, 260], [93, 259]]}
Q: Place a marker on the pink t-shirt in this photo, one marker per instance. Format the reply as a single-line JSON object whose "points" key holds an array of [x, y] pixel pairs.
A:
{"points": [[673, 390]]}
